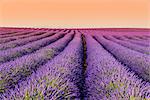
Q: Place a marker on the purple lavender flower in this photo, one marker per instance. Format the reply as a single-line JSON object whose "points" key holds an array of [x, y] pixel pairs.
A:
{"points": [[108, 79]]}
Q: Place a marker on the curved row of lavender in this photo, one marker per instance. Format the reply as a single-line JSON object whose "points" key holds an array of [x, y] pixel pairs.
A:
{"points": [[6, 31], [14, 71], [145, 50], [138, 62], [142, 37], [16, 34], [23, 33], [56, 80], [141, 43], [24, 41], [108, 79], [135, 38], [13, 53], [13, 38], [21, 37]]}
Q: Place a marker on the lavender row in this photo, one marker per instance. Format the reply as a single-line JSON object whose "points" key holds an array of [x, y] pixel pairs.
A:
{"points": [[24, 41], [16, 34], [8, 32], [145, 44], [141, 49], [22, 35], [13, 38], [107, 79], [6, 40], [143, 37], [24, 32], [137, 62], [56, 80], [14, 53], [16, 71], [135, 38], [9, 39]]}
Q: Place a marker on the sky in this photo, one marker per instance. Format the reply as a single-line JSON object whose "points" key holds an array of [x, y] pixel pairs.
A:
{"points": [[75, 13]]}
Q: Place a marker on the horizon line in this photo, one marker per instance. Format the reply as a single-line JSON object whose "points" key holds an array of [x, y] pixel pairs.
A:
{"points": [[80, 27]]}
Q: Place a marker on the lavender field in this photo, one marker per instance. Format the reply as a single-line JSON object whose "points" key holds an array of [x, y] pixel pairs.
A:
{"points": [[74, 64]]}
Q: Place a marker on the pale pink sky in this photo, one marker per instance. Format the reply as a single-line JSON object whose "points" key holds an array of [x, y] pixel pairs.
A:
{"points": [[75, 13]]}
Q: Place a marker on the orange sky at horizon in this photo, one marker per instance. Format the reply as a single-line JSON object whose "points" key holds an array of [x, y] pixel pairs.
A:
{"points": [[75, 13]]}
